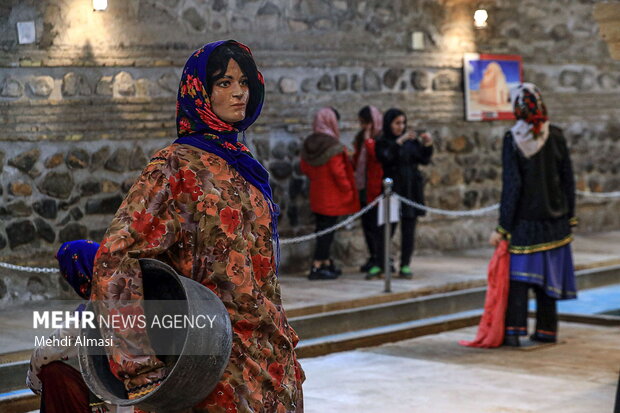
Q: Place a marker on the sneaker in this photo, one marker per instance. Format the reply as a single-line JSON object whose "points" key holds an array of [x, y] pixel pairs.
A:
{"points": [[405, 272], [392, 268], [332, 267], [369, 264], [374, 272], [321, 273]]}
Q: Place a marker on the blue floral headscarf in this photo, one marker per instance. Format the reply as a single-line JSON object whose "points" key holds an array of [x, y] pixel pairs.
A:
{"points": [[75, 260], [198, 126], [194, 113]]}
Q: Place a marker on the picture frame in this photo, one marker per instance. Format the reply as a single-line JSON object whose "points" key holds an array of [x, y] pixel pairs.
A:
{"points": [[488, 80]]}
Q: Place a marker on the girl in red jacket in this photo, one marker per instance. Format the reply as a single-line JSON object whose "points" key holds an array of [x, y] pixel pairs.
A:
{"points": [[368, 175], [332, 186]]}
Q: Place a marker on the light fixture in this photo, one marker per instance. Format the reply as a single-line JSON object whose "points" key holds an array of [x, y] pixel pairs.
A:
{"points": [[417, 40], [480, 18], [100, 5], [26, 33]]}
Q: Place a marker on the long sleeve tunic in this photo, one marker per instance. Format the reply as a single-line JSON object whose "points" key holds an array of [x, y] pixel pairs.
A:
{"points": [[192, 210], [46, 354], [400, 162], [538, 195]]}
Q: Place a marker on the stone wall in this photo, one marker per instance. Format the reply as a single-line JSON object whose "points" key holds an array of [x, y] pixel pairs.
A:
{"points": [[84, 107]]}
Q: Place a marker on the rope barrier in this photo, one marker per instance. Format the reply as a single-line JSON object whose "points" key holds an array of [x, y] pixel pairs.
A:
{"points": [[27, 269], [467, 213], [350, 219], [336, 227], [615, 194]]}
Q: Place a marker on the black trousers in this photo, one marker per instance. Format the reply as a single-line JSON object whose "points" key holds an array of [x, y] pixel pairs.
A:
{"points": [[407, 242], [369, 227], [324, 243], [516, 312]]}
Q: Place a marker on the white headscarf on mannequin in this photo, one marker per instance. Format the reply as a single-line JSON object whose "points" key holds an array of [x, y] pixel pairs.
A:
{"points": [[531, 130]]}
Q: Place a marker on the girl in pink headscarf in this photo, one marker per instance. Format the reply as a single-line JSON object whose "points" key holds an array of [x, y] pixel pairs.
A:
{"points": [[368, 175], [332, 186]]}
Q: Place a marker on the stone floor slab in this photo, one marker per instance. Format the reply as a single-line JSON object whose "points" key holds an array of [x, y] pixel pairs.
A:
{"points": [[434, 374]]}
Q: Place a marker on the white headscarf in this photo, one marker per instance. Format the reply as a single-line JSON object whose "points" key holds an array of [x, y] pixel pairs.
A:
{"points": [[531, 130]]}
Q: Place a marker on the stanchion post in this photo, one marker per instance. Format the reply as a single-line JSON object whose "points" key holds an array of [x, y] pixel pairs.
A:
{"points": [[387, 268], [617, 407]]}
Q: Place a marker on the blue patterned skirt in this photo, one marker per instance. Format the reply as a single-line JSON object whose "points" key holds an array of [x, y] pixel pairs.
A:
{"points": [[551, 270]]}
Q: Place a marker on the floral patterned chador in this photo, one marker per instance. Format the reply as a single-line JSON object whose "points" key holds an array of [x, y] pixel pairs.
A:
{"points": [[195, 211]]}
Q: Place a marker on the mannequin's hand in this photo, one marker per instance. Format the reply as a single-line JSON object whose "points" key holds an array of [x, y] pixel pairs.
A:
{"points": [[495, 238]]}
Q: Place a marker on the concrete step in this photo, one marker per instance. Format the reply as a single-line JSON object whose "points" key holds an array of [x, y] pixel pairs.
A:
{"points": [[375, 336], [397, 332], [349, 328], [399, 310], [20, 401], [598, 276], [395, 312], [444, 287], [373, 325], [13, 375], [15, 356]]}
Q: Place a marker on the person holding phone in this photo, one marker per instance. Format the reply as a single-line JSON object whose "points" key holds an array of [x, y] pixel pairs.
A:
{"points": [[400, 153]]}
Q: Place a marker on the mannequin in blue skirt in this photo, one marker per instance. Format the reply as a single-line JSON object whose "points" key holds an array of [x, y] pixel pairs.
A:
{"points": [[537, 213]]}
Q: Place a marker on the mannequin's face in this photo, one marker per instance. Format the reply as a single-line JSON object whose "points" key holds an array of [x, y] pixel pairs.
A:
{"points": [[230, 94]]}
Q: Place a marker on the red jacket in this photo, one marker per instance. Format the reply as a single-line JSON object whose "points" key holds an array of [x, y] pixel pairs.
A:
{"points": [[374, 171], [332, 185]]}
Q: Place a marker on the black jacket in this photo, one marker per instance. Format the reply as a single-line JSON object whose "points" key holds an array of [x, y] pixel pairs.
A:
{"points": [[538, 194], [400, 162]]}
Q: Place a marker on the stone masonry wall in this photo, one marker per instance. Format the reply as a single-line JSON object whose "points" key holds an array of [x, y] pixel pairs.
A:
{"points": [[84, 107]]}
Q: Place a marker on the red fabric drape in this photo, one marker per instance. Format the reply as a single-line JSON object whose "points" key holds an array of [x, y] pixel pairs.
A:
{"points": [[491, 327], [64, 389]]}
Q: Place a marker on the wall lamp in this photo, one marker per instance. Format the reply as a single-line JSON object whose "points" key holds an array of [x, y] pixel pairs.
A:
{"points": [[480, 18], [100, 5]]}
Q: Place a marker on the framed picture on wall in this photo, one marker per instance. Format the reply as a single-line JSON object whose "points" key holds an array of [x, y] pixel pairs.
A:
{"points": [[488, 80]]}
